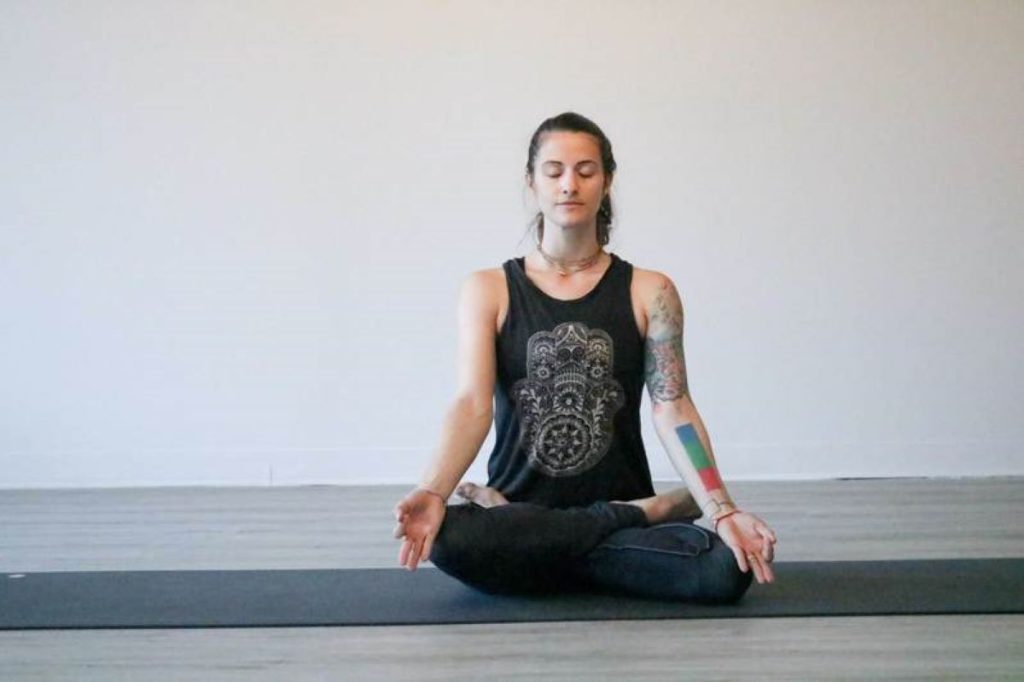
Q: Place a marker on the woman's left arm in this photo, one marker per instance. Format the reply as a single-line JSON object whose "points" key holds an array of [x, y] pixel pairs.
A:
{"points": [[685, 439]]}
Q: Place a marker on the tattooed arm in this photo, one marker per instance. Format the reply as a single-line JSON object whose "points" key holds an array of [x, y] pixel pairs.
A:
{"points": [[682, 431], [674, 412]]}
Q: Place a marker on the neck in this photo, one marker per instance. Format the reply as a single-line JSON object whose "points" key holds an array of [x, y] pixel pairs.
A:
{"points": [[588, 250], [569, 244]]}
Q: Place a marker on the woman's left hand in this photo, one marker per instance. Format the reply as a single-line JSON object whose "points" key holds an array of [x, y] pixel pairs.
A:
{"points": [[752, 541]]}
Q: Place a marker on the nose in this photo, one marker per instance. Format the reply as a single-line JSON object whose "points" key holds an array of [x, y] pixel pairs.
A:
{"points": [[569, 183]]}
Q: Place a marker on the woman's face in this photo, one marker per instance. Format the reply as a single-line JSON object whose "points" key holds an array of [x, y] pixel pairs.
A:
{"points": [[568, 179]]}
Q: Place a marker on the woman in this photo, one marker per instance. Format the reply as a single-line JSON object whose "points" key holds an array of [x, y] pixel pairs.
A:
{"points": [[561, 342]]}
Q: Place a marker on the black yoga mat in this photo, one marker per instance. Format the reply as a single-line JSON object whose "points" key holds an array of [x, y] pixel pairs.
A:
{"points": [[174, 599]]}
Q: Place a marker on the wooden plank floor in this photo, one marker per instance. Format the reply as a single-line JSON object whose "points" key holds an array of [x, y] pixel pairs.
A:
{"points": [[327, 526]]}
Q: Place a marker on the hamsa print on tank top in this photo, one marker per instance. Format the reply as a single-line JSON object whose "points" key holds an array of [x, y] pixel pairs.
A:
{"points": [[568, 399]]}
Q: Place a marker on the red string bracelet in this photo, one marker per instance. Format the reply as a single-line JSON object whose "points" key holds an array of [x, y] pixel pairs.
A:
{"points": [[721, 515]]}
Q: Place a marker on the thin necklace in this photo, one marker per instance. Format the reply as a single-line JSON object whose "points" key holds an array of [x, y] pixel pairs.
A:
{"points": [[568, 267]]}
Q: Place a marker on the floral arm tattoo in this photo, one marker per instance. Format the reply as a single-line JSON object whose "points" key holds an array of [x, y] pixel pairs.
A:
{"points": [[664, 363]]}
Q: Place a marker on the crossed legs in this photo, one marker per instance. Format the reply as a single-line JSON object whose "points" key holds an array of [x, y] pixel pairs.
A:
{"points": [[647, 547]]}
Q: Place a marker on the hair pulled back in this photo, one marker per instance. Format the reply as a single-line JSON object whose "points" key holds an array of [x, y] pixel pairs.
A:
{"points": [[575, 123]]}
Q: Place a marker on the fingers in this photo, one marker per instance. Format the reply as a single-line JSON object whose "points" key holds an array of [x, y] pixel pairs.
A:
{"points": [[414, 556], [768, 545], [766, 540], [749, 560], [767, 574], [409, 555], [412, 551], [741, 559], [756, 566], [762, 571], [758, 553], [401, 516], [770, 535], [428, 545]]}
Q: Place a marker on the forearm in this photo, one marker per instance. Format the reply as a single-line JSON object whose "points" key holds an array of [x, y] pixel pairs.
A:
{"points": [[463, 431], [688, 447]]}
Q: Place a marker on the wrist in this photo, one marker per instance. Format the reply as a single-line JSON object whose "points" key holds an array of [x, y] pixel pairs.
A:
{"points": [[711, 507], [429, 491], [724, 514]]}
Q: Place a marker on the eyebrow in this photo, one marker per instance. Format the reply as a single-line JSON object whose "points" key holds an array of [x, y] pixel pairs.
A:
{"points": [[562, 164]]}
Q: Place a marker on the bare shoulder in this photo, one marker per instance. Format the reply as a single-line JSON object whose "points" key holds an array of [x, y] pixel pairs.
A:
{"points": [[656, 293], [651, 281], [483, 278], [485, 293], [487, 283]]}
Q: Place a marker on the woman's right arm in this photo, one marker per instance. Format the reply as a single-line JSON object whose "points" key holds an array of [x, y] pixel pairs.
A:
{"points": [[466, 424]]}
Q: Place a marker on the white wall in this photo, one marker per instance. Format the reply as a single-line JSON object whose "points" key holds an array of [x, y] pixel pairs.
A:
{"points": [[231, 233]]}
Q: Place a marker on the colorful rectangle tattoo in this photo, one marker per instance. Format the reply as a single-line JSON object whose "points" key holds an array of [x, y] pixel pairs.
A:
{"points": [[695, 449]]}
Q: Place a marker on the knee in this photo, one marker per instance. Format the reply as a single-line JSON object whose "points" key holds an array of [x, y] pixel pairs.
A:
{"points": [[724, 582], [464, 549], [471, 548], [454, 542]]}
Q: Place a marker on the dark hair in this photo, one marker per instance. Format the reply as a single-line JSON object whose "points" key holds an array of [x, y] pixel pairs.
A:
{"points": [[575, 123]]}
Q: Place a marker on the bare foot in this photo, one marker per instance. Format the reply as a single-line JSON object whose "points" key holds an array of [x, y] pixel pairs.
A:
{"points": [[481, 495], [675, 505]]}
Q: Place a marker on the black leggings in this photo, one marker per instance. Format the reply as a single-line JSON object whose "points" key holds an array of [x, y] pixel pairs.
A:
{"points": [[527, 548]]}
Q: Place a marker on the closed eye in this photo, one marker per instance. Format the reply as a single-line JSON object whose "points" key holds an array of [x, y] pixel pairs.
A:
{"points": [[586, 169]]}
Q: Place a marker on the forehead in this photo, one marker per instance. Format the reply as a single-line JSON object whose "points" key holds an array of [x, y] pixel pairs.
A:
{"points": [[568, 147]]}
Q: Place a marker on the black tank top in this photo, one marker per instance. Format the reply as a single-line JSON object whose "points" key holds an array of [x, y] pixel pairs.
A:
{"points": [[567, 398]]}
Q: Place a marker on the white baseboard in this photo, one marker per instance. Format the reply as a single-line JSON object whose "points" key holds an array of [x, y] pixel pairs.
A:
{"points": [[403, 466]]}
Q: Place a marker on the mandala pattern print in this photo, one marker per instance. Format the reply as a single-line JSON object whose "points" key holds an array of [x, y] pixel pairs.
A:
{"points": [[568, 399]]}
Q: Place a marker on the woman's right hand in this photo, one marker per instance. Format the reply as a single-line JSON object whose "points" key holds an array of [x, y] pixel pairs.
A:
{"points": [[419, 515]]}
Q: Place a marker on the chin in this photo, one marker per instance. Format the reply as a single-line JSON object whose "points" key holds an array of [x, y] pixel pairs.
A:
{"points": [[580, 224]]}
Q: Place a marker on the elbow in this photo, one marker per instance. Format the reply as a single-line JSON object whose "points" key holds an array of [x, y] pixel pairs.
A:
{"points": [[661, 408], [475, 406], [673, 412]]}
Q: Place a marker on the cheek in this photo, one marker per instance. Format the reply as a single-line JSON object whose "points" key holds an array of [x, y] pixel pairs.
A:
{"points": [[548, 192]]}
